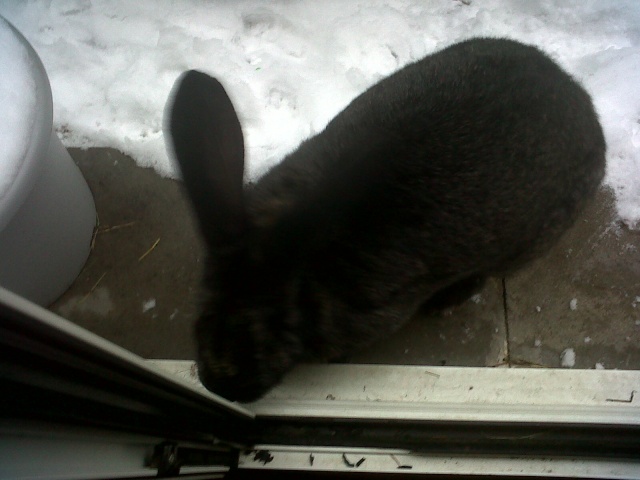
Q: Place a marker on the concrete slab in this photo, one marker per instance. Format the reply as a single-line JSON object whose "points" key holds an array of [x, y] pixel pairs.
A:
{"points": [[584, 295], [148, 304], [471, 334]]}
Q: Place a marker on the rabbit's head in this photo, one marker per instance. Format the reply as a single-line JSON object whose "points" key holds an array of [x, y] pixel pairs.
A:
{"points": [[247, 332]]}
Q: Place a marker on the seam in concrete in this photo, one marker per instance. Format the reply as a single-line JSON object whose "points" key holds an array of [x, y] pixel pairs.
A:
{"points": [[507, 359]]}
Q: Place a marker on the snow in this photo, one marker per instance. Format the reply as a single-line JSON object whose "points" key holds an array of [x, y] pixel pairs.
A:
{"points": [[573, 304], [568, 358], [148, 305], [291, 66], [599, 366], [17, 103]]}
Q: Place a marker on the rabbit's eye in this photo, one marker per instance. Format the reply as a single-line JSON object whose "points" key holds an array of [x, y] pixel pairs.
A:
{"points": [[223, 369], [217, 366]]}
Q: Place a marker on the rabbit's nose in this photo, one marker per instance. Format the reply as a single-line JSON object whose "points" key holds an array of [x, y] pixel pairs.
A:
{"points": [[223, 381]]}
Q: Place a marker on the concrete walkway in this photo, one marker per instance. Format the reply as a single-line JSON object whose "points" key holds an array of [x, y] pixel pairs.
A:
{"points": [[579, 305]]}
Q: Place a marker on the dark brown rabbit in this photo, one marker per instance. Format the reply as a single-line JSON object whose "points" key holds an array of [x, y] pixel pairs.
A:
{"points": [[463, 165]]}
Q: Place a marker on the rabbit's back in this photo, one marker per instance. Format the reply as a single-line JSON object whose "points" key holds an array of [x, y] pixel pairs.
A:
{"points": [[473, 159]]}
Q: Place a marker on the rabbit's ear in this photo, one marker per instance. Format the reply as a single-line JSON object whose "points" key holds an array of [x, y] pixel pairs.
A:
{"points": [[208, 145]]}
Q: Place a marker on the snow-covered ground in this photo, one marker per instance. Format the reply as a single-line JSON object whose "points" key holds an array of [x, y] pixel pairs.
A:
{"points": [[292, 65]]}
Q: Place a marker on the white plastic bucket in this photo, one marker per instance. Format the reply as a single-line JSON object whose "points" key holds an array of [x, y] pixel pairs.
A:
{"points": [[47, 215]]}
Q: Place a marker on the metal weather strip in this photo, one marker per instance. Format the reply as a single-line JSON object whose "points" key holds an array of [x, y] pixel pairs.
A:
{"points": [[502, 395]]}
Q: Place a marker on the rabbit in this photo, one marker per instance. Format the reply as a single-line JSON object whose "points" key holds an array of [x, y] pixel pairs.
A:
{"points": [[466, 164]]}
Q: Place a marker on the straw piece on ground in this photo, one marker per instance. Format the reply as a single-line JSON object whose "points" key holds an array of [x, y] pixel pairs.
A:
{"points": [[116, 227], [95, 285], [155, 244]]}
